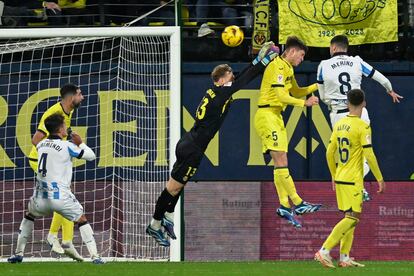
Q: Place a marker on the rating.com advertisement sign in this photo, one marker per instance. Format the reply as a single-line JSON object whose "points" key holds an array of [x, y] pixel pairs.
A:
{"points": [[385, 230]]}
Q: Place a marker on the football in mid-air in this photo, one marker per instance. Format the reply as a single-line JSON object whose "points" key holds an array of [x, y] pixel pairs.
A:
{"points": [[232, 36]]}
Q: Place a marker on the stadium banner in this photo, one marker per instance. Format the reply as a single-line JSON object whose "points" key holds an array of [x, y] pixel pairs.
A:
{"points": [[230, 224], [240, 222], [261, 30], [385, 231], [317, 22]]}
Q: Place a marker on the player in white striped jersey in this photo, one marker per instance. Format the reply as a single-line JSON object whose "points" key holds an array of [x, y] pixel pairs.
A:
{"points": [[52, 192], [341, 73]]}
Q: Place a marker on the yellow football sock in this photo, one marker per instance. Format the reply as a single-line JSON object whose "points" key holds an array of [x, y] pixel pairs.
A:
{"points": [[55, 224], [284, 179], [281, 192], [346, 242], [339, 231], [67, 230]]}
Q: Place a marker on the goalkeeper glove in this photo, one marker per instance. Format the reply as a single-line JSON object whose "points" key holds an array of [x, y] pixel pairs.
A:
{"points": [[265, 48], [268, 52]]}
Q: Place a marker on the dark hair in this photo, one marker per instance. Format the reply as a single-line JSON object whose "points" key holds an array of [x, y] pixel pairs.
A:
{"points": [[295, 42], [356, 97], [341, 41], [219, 71], [68, 89], [54, 122]]}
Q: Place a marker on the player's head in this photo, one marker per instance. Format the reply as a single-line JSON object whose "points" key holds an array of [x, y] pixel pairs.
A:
{"points": [[55, 125], [339, 43], [356, 98], [295, 50], [222, 74], [72, 93]]}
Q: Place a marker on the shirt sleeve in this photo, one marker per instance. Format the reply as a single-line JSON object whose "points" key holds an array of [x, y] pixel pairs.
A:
{"points": [[299, 92], [285, 98], [75, 151], [381, 79], [320, 82], [246, 76], [365, 140], [88, 153], [366, 69], [41, 127], [330, 154], [275, 74], [81, 152]]}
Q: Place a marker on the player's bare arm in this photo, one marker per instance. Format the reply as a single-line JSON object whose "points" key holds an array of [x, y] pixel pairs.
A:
{"points": [[37, 137]]}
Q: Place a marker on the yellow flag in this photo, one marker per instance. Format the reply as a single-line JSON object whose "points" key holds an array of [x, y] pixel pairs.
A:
{"points": [[316, 22], [261, 30]]}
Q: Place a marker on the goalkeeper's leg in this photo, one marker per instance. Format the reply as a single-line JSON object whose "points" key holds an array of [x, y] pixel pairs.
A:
{"points": [[164, 212], [168, 219]]}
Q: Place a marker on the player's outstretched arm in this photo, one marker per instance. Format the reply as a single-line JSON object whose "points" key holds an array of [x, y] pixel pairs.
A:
{"points": [[251, 72], [385, 82], [299, 92]]}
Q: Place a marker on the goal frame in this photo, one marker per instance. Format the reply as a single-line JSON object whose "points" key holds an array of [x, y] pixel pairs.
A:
{"points": [[174, 33]]}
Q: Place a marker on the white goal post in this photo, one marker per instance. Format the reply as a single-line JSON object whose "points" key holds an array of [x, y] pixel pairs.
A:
{"points": [[131, 117]]}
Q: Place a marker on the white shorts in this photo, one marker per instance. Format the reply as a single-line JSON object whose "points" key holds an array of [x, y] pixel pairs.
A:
{"points": [[335, 117], [69, 207]]}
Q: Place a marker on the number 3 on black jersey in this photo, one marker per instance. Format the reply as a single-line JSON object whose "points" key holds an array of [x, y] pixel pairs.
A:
{"points": [[201, 110]]}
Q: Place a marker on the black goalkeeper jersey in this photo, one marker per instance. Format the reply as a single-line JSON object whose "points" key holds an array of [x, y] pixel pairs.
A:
{"points": [[215, 104]]}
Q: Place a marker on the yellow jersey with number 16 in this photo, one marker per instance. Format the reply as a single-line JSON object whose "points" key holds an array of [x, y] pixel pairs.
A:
{"points": [[350, 136]]}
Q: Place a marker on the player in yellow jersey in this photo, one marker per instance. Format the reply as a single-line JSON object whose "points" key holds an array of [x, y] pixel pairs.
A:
{"points": [[352, 138], [71, 98], [278, 90]]}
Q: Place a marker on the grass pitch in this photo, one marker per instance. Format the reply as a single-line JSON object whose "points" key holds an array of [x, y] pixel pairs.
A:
{"points": [[204, 268]]}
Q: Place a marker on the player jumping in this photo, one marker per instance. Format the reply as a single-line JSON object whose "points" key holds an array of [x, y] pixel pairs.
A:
{"points": [[210, 115], [341, 73], [277, 85]]}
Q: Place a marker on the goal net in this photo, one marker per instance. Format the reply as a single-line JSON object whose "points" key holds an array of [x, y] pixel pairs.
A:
{"points": [[130, 116]]}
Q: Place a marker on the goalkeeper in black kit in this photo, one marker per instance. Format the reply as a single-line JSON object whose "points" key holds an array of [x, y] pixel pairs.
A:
{"points": [[189, 151]]}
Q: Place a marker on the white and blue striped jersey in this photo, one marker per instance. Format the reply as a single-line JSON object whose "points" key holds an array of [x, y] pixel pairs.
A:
{"points": [[54, 173], [339, 74]]}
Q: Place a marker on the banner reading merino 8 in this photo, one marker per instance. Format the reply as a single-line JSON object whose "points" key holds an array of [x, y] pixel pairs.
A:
{"points": [[318, 21]]}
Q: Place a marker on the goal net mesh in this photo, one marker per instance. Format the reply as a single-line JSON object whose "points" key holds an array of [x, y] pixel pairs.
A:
{"points": [[123, 118]]}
